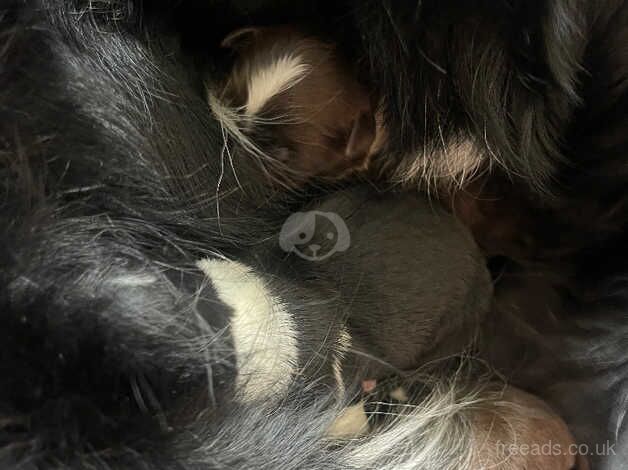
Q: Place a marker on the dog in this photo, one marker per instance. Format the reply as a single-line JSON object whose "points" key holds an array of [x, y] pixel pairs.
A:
{"points": [[124, 213], [533, 228], [295, 99], [118, 186]]}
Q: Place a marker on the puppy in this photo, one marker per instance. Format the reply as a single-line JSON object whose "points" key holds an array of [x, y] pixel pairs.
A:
{"points": [[297, 100], [532, 94], [511, 429], [384, 314], [297, 104]]}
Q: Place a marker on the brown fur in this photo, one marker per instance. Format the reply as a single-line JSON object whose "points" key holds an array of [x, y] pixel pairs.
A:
{"points": [[522, 432], [323, 125]]}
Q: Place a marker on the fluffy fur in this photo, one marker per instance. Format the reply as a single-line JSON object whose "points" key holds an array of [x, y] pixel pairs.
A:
{"points": [[116, 180]]}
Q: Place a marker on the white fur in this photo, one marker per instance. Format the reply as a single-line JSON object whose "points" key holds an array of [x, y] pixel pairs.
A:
{"points": [[432, 432], [351, 423], [266, 82], [230, 121], [399, 394], [343, 345], [263, 332], [133, 280], [450, 165]]}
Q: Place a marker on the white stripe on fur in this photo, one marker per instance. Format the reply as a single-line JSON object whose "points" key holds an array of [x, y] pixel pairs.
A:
{"points": [[266, 82], [351, 423], [263, 332], [343, 344]]}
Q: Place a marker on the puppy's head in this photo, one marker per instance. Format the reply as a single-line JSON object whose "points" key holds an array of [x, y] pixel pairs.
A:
{"points": [[297, 100]]}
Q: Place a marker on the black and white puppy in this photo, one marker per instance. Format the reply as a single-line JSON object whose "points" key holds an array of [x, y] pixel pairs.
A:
{"points": [[364, 285]]}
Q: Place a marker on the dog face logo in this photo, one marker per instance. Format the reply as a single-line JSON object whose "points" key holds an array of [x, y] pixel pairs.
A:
{"points": [[314, 235]]}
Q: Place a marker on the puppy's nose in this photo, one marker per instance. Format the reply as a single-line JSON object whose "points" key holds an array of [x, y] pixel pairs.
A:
{"points": [[314, 248]]}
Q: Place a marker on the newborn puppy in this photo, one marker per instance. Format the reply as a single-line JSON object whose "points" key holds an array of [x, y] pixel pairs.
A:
{"points": [[300, 108], [374, 285], [409, 280], [385, 276], [294, 102], [519, 431], [298, 102]]}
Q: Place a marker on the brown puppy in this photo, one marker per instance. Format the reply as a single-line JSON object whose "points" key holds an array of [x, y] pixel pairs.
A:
{"points": [[299, 103]]}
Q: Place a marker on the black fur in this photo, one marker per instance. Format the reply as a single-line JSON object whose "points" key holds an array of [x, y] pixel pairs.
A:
{"points": [[115, 181]]}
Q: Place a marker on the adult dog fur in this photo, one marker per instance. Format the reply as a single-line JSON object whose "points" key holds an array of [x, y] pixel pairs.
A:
{"points": [[117, 180], [110, 184]]}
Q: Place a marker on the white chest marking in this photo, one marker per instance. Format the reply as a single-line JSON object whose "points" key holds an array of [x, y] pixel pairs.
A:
{"points": [[263, 332]]}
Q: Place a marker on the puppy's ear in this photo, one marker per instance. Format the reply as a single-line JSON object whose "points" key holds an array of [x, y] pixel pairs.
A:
{"points": [[361, 137], [241, 38]]}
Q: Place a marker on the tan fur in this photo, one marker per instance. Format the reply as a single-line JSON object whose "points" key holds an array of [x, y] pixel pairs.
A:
{"points": [[296, 90], [351, 423], [521, 432], [449, 166]]}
